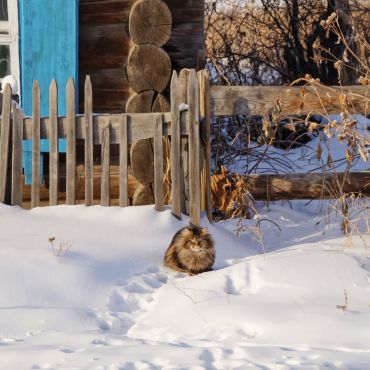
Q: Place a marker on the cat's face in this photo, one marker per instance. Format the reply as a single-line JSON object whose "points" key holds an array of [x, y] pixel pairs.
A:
{"points": [[197, 240]]}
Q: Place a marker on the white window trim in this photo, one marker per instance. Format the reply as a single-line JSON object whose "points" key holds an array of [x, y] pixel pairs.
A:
{"points": [[12, 39]]}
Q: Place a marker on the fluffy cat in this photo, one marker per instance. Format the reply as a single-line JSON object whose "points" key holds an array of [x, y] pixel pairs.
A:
{"points": [[192, 250]]}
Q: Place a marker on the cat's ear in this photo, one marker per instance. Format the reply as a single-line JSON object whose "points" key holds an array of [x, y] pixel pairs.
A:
{"points": [[204, 231], [187, 231]]}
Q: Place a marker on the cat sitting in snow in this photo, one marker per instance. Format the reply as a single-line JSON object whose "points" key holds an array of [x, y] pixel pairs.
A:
{"points": [[192, 250]]}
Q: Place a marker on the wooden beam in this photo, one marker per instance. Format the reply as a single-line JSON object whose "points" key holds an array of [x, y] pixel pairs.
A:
{"points": [[258, 100], [4, 143], [17, 158], [138, 127], [307, 185], [35, 137], [54, 144]]}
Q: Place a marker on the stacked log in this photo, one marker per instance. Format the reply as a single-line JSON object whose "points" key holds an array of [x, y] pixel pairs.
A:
{"points": [[148, 72]]}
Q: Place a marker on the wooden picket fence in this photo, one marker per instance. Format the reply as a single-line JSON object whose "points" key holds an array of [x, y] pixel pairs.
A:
{"points": [[103, 130]]}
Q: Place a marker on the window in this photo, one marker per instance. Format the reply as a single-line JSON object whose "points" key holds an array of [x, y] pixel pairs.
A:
{"points": [[9, 34]]}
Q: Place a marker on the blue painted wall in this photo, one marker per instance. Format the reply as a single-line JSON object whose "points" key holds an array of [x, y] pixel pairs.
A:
{"points": [[48, 49]]}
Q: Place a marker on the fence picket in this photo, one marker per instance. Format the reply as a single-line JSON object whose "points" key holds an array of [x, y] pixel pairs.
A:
{"points": [[175, 146], [123, 163], [35, 187], [205, 108], [71, 143], [184, 165], [105, 160], [89, 161], [17, 158], [4, 143], [54, 145], [194, 147], [158, 163]]}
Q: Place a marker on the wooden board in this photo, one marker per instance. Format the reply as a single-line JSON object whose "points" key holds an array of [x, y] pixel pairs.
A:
{"points": [[306, 186], [71, 143], [35, 197], [139, 127], [17, 158], [259, 100], [175, 147], [89, 160], [54, 152]]}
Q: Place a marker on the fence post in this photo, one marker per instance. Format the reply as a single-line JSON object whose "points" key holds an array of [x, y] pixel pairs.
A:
{"points": [[17, 158], [184, 150], [4, 145], [89, 168], [205, 112], [158, 162], [175, 146], [105, 166], [194, 148], [35, 187], [54, 145], [123, 161], [71, 143]]}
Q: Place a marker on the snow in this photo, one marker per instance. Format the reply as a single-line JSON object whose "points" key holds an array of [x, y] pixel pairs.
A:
{"points": [[272, 302], [303, 159]]}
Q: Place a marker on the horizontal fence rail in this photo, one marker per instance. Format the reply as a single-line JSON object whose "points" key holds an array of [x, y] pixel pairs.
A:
{"points": [[259, 100], [103, 130]]}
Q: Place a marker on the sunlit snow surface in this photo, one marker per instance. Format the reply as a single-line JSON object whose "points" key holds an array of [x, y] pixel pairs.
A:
{"points": [[108, 303]]}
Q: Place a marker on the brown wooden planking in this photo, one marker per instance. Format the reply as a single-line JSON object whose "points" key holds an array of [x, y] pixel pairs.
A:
{"points": [[306, 185], [36, 123], [54, 144], [158, 163], [194, 148], [107, 40], [175, 147], [104, 11], [187, 34], [105, 158], [234, 100], [71, 143], [4, 142], [17, 168], [89, 160], [123, 163]]}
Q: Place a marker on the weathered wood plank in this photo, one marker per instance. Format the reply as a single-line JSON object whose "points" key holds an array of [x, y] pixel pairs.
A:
{"points": [[89, 160], [184, 149], [206, 166], [194, 147], [258, 100], [175, 147], [105, 160], [158, 163], [4, 142], [35, 196], [123, 163], [17, 158], [71, 143], [54, 147], [139, 127], [306, 185]]}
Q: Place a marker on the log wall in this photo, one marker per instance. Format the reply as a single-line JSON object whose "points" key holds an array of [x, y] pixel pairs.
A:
{"points": [[104, 46]]}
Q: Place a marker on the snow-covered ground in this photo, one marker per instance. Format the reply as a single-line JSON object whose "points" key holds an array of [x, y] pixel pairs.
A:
{"points": [[304, 159], [108, 303]]}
